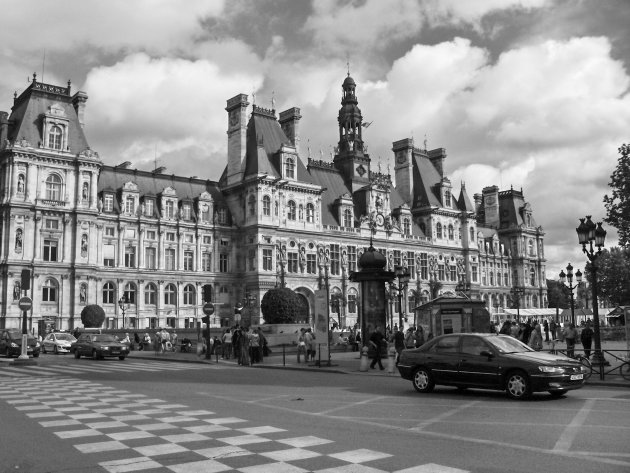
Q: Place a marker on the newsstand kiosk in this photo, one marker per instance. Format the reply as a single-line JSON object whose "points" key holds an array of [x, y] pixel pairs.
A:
{"points": [[453, 314]]}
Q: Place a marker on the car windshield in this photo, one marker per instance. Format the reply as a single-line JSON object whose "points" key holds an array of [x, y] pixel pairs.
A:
{"points": [[507, 344], [15, 334], [104, 338], [65, 336]]}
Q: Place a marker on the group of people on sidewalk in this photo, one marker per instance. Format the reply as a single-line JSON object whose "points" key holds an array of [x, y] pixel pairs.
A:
{"points": [[240, 343]]}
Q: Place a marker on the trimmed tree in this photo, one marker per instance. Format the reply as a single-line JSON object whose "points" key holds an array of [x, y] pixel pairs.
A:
{"points": [[92, 316], [281, 306], [618, 203]]}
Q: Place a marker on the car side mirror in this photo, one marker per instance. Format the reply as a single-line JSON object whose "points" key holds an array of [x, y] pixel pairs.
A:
{"points": [[487, 353]]}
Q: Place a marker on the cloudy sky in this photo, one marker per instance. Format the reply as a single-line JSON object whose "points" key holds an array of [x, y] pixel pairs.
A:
{"points": [[532, 94]]}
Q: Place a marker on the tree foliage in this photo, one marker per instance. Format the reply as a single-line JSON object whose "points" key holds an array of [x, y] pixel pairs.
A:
{"points": [[613, 275], [618, 203], [557, 294], [92, 316], [282, 306]]}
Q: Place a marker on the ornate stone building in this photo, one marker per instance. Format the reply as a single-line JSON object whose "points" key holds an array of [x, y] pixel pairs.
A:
{"points": [[95, 234]]}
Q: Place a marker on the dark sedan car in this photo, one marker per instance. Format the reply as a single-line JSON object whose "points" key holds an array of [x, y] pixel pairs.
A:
{"points": [[11, 343], [98, 346], [489, 361]]}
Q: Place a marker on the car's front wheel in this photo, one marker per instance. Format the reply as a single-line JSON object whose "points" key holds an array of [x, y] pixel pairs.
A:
{"points": [[56, 350], [94, 354], [517, 385], [423, 380], [8, 352], [121, 358], [43, 349]]}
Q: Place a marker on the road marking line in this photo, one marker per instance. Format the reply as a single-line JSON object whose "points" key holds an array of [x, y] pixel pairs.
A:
{"points": [[350, 405], [444, 415], [570, 432]]}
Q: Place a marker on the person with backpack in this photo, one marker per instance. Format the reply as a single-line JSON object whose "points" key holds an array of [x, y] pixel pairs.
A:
{"points": [[399, 342], [586, 337]]}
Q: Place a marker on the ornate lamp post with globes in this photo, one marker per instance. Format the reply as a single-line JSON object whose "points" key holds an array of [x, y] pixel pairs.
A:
{"points": [[592, 237], [124, 305], [568, 277]]}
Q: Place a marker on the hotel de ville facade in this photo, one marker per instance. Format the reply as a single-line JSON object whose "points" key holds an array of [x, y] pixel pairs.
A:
{"points": [[92, 233]]}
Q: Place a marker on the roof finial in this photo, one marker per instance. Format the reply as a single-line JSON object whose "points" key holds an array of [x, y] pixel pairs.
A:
{"points": [[273, 100], [425, 142], [308, 147], [253, 95], [348, 63]]}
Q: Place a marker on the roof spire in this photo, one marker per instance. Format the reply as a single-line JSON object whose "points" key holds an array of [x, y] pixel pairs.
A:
{"points": [[348, 63], [273, 100]]}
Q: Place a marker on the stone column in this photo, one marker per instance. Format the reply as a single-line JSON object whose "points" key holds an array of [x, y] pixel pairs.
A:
{"points": [[141, 249]]}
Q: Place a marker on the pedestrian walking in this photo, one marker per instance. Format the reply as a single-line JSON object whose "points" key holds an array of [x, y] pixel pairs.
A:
{"points": [[376, 341], [410, 339], [236, 343], [399, 342], [227, 344], [570, 335], [244, 347], [254, 347], [586, 337], [301, 345], [546, 330], [136, 340], [535, 338]]}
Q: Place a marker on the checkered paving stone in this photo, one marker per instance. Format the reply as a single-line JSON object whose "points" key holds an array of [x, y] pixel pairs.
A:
{"points": [[127, 432]]}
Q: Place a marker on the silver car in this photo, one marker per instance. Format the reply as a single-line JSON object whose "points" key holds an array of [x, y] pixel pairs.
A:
{"points": [[57, 342]]}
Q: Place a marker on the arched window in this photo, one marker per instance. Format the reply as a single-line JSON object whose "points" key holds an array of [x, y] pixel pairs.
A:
{"points": [[438, 230], [532, 277], [451, 233], [407, 226], [109, 293], [251, 204], [49, 291], [289, 168], [54, 137], [189, 294], [291, 212], [170, 294], [53, 187], [447, 198], [347, 218], [150, 294], [130, 292], [266, 201], [310, 213]]}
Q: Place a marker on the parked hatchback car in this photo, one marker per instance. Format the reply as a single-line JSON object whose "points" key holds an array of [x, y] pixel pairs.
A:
{"points": [[11, 343], [489, 361], [98, 346], [57, 342]]}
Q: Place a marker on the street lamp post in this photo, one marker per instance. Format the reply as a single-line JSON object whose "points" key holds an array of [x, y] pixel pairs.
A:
{"points": [[568, 277], [248, 301], [593, 236], [124, 305], [403, 276], [517, 292]]}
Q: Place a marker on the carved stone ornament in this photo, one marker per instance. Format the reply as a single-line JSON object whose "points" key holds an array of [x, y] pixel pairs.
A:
{"points": [[361, 170], [89, 153]]}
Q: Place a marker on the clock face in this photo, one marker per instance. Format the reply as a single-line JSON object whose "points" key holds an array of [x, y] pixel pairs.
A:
{"points": [[380, 220], [401, 158], [233, 117]]}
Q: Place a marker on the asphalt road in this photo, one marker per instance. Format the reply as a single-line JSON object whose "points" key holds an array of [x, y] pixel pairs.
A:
{"points": [[68, 415]]}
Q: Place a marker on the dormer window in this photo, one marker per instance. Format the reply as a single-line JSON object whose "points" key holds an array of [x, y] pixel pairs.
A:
{"points": [[148, 207], [108, 203], [222, 216], [55, 137], [447, 198], [406, 226], [169, 210], [289, 168], [186, 212], [347, 218], [130, 204]]}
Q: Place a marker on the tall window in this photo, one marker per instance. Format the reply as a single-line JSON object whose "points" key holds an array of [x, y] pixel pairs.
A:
{"points": [[188, 261], [223, 263], [206, 261], [352, 258], [452, 273], [109, 256], [222, 216], [397, 258], [441, 273], [406, 226], [189, 294], [411, 264], [148, 207], [251, 260], [352, 303], [266, 204], [472, 235], [169, 259], [49, 291], [311, 264], [474, 273], [130, 292], [451, 233], [289, 168], [424, 266], [347, 218], [205, 213], [447, 198], [130, 204], [108, 203], [109, 293], [438, 230], [54, 137], [150, 294], [53, 187], [267, 256], [291, 210], [186, 212], [130, 257], [170, 209], [310, 213], [532, 277], [50, 250], [150, 258], [292, 262], [251, 205], [170, 294], [335, 264]]}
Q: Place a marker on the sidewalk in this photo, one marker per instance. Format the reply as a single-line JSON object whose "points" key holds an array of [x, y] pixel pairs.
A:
{"points": [[340, 362]]}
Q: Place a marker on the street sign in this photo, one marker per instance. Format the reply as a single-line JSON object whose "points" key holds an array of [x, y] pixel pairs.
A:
{"points": [[25, 303], [208, 308]]}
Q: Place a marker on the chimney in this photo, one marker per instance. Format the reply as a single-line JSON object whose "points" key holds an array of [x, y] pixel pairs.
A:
{"points": [[78, 102], [290, 123], [477, 198], [237, 137], [4, 128], [491, 205], [403, 169], [437, 157]]}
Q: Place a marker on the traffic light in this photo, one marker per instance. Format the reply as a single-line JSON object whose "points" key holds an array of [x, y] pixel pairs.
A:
{"points": [[25, 282]]}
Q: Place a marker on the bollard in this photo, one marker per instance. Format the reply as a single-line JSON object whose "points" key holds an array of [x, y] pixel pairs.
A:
{"points": [[391, 356], [364, 359]]}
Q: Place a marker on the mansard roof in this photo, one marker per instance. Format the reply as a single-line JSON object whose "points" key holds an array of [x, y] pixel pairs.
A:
{"points": [[425, 178], [463, 201], [511, 206], [25, 121], [332, 180]]}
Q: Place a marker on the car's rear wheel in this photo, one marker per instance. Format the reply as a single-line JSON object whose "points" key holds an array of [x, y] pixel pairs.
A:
{"points": [[35, 355], [56, 350], [559, 393], [517, 385], [121, 358], [94, 354], [423, 380], [7, 352], [77, 355]]}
